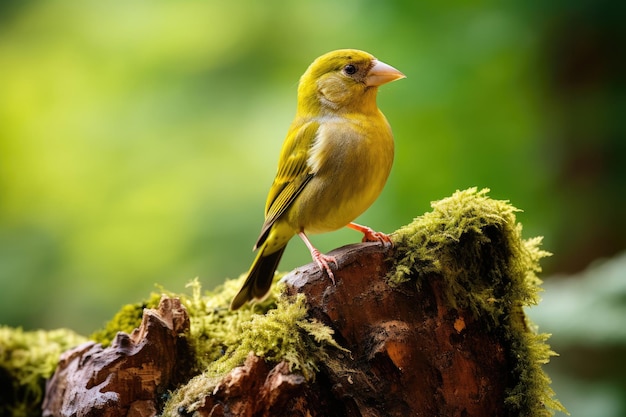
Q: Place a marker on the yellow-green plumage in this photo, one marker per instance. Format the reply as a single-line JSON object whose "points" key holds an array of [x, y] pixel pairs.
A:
{"points": [[333, 164]]}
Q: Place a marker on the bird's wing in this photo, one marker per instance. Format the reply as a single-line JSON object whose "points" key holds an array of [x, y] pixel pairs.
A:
{"points": [[293, 174]]}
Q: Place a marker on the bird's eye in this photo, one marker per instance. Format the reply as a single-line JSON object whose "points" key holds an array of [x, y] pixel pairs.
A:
{"points": [[349, 69]]}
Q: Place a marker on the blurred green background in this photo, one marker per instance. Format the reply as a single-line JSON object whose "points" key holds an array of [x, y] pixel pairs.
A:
{"points": [[138, 141]]}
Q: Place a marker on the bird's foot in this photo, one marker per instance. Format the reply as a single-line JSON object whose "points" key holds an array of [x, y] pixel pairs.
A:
{"points": [[370, 235], [323, 262]]}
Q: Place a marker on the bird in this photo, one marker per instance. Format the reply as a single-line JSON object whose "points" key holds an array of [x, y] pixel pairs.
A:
{"points": [[333, 164]]}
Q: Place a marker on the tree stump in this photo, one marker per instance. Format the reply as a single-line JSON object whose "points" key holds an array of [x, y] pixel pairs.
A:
{"points": [[433, 326]]}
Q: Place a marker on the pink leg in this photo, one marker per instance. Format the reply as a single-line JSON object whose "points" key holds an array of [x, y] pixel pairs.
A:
{"points": [[369, 235], [320, 259]]}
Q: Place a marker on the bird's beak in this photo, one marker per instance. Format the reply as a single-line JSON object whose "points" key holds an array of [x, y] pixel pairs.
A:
{"points": [[382, 73]]}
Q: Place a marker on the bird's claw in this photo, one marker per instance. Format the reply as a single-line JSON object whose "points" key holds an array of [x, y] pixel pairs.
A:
{"points": [[369, 235], [372, 236], [323, 262]]}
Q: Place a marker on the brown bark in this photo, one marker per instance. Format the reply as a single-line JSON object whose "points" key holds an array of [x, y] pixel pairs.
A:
{"points": [[129, 377], [257, 389], [411, 355]]}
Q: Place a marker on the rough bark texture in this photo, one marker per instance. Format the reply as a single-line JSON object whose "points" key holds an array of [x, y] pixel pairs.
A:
{"points": [[129, 377], [256, 389], [411, 354]]}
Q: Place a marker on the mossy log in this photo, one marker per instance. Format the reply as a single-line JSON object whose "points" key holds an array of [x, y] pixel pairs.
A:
{"points": [[431, 326]]}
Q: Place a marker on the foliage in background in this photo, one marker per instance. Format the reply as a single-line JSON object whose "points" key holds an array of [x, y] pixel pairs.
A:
{"points": [[138, 140], [585, 313]]}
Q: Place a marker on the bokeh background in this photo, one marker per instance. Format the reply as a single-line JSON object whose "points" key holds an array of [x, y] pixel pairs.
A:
{"points": [[138, 141]]}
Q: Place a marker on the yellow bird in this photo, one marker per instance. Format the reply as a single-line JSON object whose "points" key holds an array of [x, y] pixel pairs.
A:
{"points": [[333, 164]]}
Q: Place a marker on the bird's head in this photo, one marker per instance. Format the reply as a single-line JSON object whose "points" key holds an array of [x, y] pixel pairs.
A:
{"points": [[345, 80]]}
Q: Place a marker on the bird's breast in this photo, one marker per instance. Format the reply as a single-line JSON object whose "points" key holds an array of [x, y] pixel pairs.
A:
{"points": [[351, 159]]}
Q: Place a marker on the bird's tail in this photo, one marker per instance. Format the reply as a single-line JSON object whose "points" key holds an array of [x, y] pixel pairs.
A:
{"points": [[260, 277]]}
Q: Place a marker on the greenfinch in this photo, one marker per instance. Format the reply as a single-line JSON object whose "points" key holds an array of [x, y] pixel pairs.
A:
{"points": [[333, 164]]}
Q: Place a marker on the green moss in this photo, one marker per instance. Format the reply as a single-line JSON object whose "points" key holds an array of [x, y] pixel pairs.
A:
{"points": [[27, 359], [214, 329], [284, 333], [221, 339], [474, 243], [277, 329]]}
